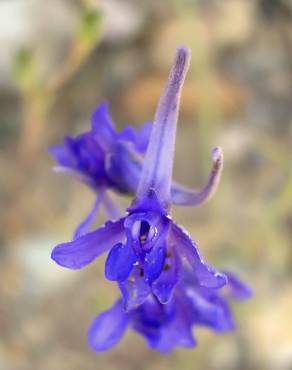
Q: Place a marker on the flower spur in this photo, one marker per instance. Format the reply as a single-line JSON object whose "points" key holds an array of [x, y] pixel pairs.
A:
{"points": [[167, 326], [148, 251]]}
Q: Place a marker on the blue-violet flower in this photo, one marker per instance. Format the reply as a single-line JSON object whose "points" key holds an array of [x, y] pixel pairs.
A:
{"points": [[167, 326], [148, 250]]}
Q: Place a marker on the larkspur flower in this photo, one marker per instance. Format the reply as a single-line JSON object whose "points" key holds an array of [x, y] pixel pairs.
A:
{"points": [[105, 159], [148, 251], [168, 326], [86, 157]]}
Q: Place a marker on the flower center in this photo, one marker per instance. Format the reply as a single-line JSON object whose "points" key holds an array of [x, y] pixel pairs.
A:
{"points": [[143, 231]]}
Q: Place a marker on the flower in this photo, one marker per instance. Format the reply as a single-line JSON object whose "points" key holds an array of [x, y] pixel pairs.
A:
{"points": [[167, 326], [148, 250], [87, 158]]}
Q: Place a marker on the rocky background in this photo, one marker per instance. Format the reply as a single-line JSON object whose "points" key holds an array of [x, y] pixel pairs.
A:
{"points": [[59, 59]]}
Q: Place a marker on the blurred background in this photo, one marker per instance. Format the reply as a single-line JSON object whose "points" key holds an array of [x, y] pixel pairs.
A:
{"points": [[58, 60]]}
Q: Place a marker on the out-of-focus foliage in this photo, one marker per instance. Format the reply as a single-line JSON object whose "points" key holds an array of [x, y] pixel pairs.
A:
{"points": [[237, 95]]}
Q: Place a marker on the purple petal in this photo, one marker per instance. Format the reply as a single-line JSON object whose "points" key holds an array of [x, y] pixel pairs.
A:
{"points": [[163, 287], [209, 309], [83, 158], [123, 167], [186, 197], [120, 261], [139, 139], [128, 134], [143, 136], [157, 168], [63, 155], [134, 290], [236, 288], [67, 154], [149, 318], [86, 224], [108, 328], [188, 250], [154, 261], [102, 126], [80, 252], [177, 332]]}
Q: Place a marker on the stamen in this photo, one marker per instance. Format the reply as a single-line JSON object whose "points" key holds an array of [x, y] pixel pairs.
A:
{"points": [[143, 231], [143, 239]]}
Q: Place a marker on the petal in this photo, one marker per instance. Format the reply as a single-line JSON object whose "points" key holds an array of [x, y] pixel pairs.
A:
{"points": [[157, 168], [150, 317], [207, 276], [120, 261], [154, 261], [163, 287], [127, 134], [209, 309], [139, 139], [187, 197], [176, 334], [123, 167], [80, 252], [103, 127], [63, 155], [178, 331], [236, 288], [108, 328], [152, 313], [143, 136], [134, 290], [86, 224], [83, 158], [90, 155]]}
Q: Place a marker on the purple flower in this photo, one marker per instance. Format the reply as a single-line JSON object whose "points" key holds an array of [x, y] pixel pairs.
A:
{"points": [[87, 157], [167, 326], [148, 251]]}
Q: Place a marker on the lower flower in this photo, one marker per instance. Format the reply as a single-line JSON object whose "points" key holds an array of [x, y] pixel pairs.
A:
{"points": [[168, 326]]}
